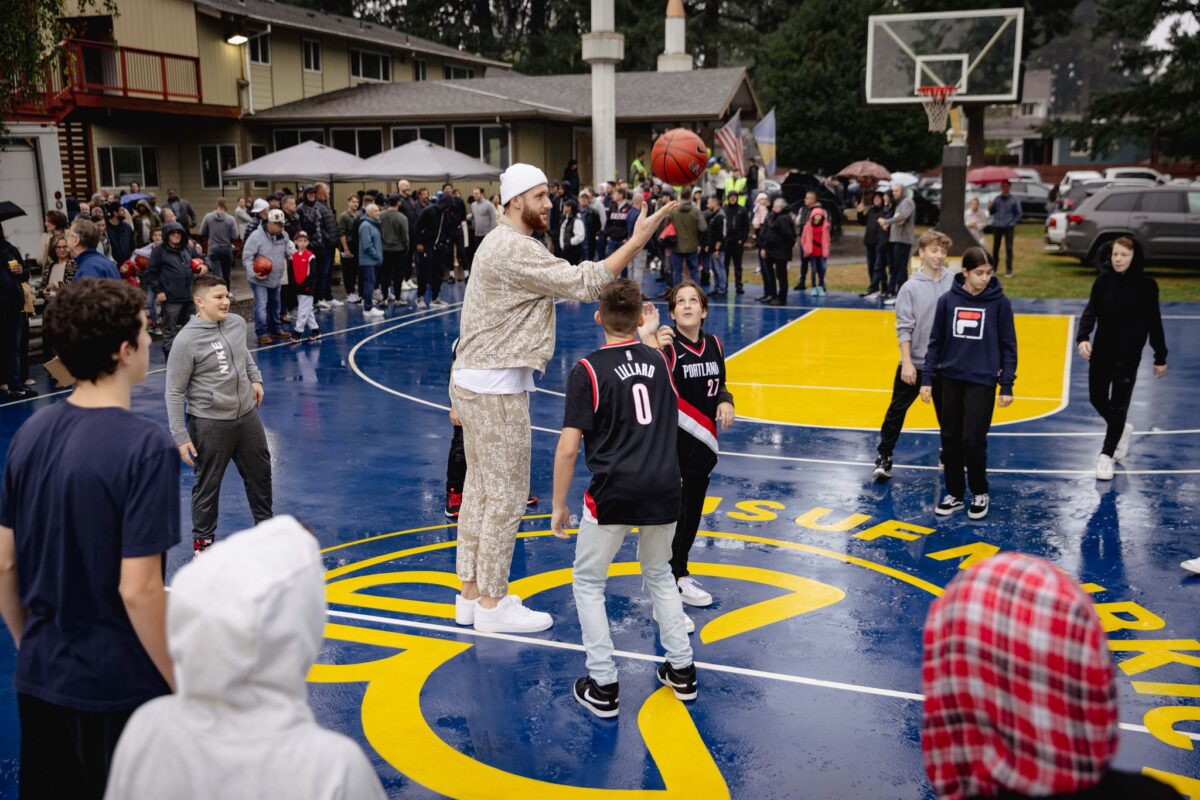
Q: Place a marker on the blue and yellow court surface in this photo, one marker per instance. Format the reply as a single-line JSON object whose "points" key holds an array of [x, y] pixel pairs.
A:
{"points": [[810, 655]]}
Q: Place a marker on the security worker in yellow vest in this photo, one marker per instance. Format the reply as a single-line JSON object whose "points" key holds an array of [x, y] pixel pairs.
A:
{"points": [[736, 184], [637, 170]]}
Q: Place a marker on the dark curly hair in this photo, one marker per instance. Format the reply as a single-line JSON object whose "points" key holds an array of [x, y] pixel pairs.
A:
{"points": [[87, 321], [620, 306]]}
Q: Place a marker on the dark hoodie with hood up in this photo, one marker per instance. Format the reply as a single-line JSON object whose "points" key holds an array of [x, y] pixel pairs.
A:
{"points": [[170, 268], [1125, 307], [973, 338]]}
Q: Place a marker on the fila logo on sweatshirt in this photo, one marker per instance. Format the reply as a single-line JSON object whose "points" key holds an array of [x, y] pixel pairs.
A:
{"points": [[968, 322]]}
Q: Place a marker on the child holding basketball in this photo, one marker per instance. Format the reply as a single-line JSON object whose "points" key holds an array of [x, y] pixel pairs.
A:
{"points": [[972, 347], [622, 404], [1123, 308]]}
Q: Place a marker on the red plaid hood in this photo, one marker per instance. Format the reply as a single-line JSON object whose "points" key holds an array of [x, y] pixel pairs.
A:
{"points": [[1018, 684]]}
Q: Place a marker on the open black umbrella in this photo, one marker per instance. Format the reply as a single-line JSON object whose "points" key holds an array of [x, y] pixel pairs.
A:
{"points": [[9, 209]]}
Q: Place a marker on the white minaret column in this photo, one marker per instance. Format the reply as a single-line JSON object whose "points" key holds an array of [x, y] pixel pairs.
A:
{"points": [[603, 49], [675, 56]]}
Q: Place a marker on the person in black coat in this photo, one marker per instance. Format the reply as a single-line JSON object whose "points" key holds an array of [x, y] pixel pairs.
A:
{"points": [[120, 235], [875, 240], [13, 274], [737, 229], [778, 239]]}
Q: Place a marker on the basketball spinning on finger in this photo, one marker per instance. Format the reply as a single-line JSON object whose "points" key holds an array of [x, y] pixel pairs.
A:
{"points": [[679, 157]]}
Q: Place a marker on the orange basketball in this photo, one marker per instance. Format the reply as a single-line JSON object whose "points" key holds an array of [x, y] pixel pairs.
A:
{"points": [[679, 157], [197, 263], [263, 267], [141, 261]]}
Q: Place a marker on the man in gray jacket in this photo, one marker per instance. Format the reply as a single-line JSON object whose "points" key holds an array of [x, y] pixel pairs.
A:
{"points": [[393, 228], [271, 243], [221, 230], [212, 370], [900, 238], [916, 306]]}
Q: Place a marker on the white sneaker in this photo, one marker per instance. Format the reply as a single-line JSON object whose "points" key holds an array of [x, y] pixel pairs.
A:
{"points": [[511, 616], [689, 624], [421, 304], [1123, 445], [353, 298], [1104, 468], [375, 313], [336, 303], [439, 303], [409, 285], [1192, 565], [464, 610], [691, 593], [324, 305]]}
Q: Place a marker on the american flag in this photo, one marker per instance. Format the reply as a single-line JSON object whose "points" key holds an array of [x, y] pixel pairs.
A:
{"points": [[730, 139]]}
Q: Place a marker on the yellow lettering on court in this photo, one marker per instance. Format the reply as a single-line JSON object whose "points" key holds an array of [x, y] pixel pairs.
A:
{"points": [[835, 367], [395, 726], [1126, 615], [755, 511], [971, 554], [1188, 787], [1167, 689], [895, 529], [1161, 723], [1155, 653], [812, 519], [711, 504]]}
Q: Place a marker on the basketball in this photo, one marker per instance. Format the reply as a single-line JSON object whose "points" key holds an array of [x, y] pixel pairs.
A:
{"points": [[141, 261], [263, 267], [197, 263], [679, 157]]}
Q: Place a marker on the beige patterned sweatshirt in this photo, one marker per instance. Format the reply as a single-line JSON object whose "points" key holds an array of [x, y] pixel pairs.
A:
{"points": [[508, 313]]}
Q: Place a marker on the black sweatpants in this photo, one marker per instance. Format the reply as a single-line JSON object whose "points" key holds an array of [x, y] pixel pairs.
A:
{"points": [[966, 417], [65, 752], [691, 507], [1003, 235], [456, 462], [217, 442], [779, 267], [734, 265], [900, 256], [431, 268], [903, 396], [391, 273], [1110, 388], [173, 317]]}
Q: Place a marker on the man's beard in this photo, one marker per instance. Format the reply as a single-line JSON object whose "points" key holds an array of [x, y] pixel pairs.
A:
{"points": [[534, 220]]}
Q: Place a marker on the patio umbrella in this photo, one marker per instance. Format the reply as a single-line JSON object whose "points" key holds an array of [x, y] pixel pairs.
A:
{"points": [[419, 160], [9, 209], [129, 198], [307, 161], [905, 179], [992, 175], [865, 169]]}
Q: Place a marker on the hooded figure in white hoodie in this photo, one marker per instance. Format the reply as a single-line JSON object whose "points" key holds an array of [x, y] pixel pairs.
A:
{"points": [[244, 625]]}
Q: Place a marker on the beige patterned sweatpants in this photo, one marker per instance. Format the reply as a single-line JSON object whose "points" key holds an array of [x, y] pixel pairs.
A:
{"points": [[496, 438]]}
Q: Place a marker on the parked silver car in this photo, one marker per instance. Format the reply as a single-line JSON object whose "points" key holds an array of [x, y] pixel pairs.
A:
{"points": [[1164, 223]]}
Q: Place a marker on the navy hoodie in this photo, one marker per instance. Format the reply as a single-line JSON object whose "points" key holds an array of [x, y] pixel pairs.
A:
{"points": [[973, 338]]}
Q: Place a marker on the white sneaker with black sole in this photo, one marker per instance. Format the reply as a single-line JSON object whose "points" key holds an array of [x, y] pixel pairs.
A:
{"points": [[689, 624], [979, 506], [511, 616], [680, 681], [464, 610], [603, 701], [1123, 444], [948, 506], [1104, 467], [691, 593], [883, 468]]}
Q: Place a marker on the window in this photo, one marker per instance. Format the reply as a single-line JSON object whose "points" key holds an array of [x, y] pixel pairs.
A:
{"points": [[452, 73], [488, 143], [122, 164], [258, 151], [1118, 202], [405, 135], [1161, 202], [362, 142], [214, 160], [312, 55], [370, 66], [291, 137], [260, 49], [1081, 148], [1031, 109], [420, 69]]}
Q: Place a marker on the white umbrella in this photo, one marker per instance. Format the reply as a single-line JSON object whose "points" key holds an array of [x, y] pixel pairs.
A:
{"points": [[905, 179], [419, 161], [307, 161]]}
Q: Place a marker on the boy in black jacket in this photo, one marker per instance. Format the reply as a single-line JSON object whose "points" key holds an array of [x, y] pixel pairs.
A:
{"points": [[169, 274], [972, 347], [1123, 307]]}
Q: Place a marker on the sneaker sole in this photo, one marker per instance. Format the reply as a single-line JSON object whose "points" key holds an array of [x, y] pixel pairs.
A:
{"points": [[1100, 477], [485, 628], [947, 512], [695, 603], [881, 475], [678, 694], [1192, 568], [975, 515], [595, 711]]}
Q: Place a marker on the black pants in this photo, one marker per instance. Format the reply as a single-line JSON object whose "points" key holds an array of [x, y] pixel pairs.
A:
{"points": [[734, 254], [287, 298], [691, 507], [779, 266], [456, 462], [965, 418], [173, 317], [874, 278], [351, 280], [220, 259], [217, 442], [900, 256], [883, 260], [903, 395], [1110, 389], [390, 274], [1007, 235], [10, 347], [431, 268], [66, 752], [805, 263]]}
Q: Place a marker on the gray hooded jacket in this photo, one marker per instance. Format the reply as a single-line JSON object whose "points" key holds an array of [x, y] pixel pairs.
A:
{"points": [[916, 306], [211, 368]]}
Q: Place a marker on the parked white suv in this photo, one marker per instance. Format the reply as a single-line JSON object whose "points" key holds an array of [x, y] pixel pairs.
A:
{"points": [[1074, 176], [1114, 173]]}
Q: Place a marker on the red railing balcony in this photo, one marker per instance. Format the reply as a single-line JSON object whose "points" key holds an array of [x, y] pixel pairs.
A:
{"points": [[103, 68]]}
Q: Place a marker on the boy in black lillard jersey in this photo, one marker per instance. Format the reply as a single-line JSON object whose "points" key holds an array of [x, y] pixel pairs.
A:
{"points": [[622, 403], [697, 362]]}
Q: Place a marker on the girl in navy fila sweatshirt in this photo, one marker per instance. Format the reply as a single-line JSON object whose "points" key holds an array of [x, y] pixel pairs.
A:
{"points": [[972, 347]]}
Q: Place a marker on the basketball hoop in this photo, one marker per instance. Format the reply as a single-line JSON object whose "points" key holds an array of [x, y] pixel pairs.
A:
{"points": [[937, 101]]}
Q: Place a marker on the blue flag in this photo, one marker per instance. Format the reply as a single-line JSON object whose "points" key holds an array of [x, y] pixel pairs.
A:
{"points": [[764, 135]]}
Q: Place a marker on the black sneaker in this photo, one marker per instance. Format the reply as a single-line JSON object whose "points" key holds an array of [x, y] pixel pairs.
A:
{"points": [[314, 334], [297, 337], [681, 681], [740, 290], [948, 506], [600, 700], [979, 507], [883, 468]]}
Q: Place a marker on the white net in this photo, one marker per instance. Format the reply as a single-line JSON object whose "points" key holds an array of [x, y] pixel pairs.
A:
{"points": [[937, 101]]}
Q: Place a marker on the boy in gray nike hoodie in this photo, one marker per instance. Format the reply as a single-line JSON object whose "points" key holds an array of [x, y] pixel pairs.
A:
{"points": [[211, 369], [916, 306]]}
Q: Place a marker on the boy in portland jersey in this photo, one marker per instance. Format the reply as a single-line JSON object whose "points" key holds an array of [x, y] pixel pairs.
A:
{"points": [[622, 404]]}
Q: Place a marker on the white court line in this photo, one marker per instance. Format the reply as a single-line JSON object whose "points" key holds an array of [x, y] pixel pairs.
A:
{"points": [[851, 389], [705, 665]]}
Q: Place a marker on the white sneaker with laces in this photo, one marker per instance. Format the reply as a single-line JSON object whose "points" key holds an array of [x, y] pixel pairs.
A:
{"points": [[1123, 445], [323, 305], [691, 593], [511, 616], [336, 303], [1104, 468], [439, 303], [353, 298], [375, 313], [689, 624], [464, 610], [1192, 565]]}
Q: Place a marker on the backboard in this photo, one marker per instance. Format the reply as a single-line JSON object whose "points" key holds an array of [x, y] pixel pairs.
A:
{"points": [[977, 51]]}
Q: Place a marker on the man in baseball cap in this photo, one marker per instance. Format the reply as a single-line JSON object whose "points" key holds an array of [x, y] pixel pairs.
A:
{"points": [[268, 241]]}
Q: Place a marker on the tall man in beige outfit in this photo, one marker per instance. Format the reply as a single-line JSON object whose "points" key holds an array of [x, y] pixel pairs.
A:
{"points": [[507, 332]]}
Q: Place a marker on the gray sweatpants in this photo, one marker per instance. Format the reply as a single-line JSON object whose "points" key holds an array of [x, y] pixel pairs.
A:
{"points": [[217, 442]]}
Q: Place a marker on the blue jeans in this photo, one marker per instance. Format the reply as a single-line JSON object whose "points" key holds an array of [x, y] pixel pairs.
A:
{"points": [[266, 310], [151, 306], [693, 261], [717, 260], [818, 270], [368, 281]]}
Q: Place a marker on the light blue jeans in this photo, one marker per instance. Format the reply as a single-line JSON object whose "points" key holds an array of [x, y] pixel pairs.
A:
{"points": [[595, 548], [717, 262], [266, 310]]}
